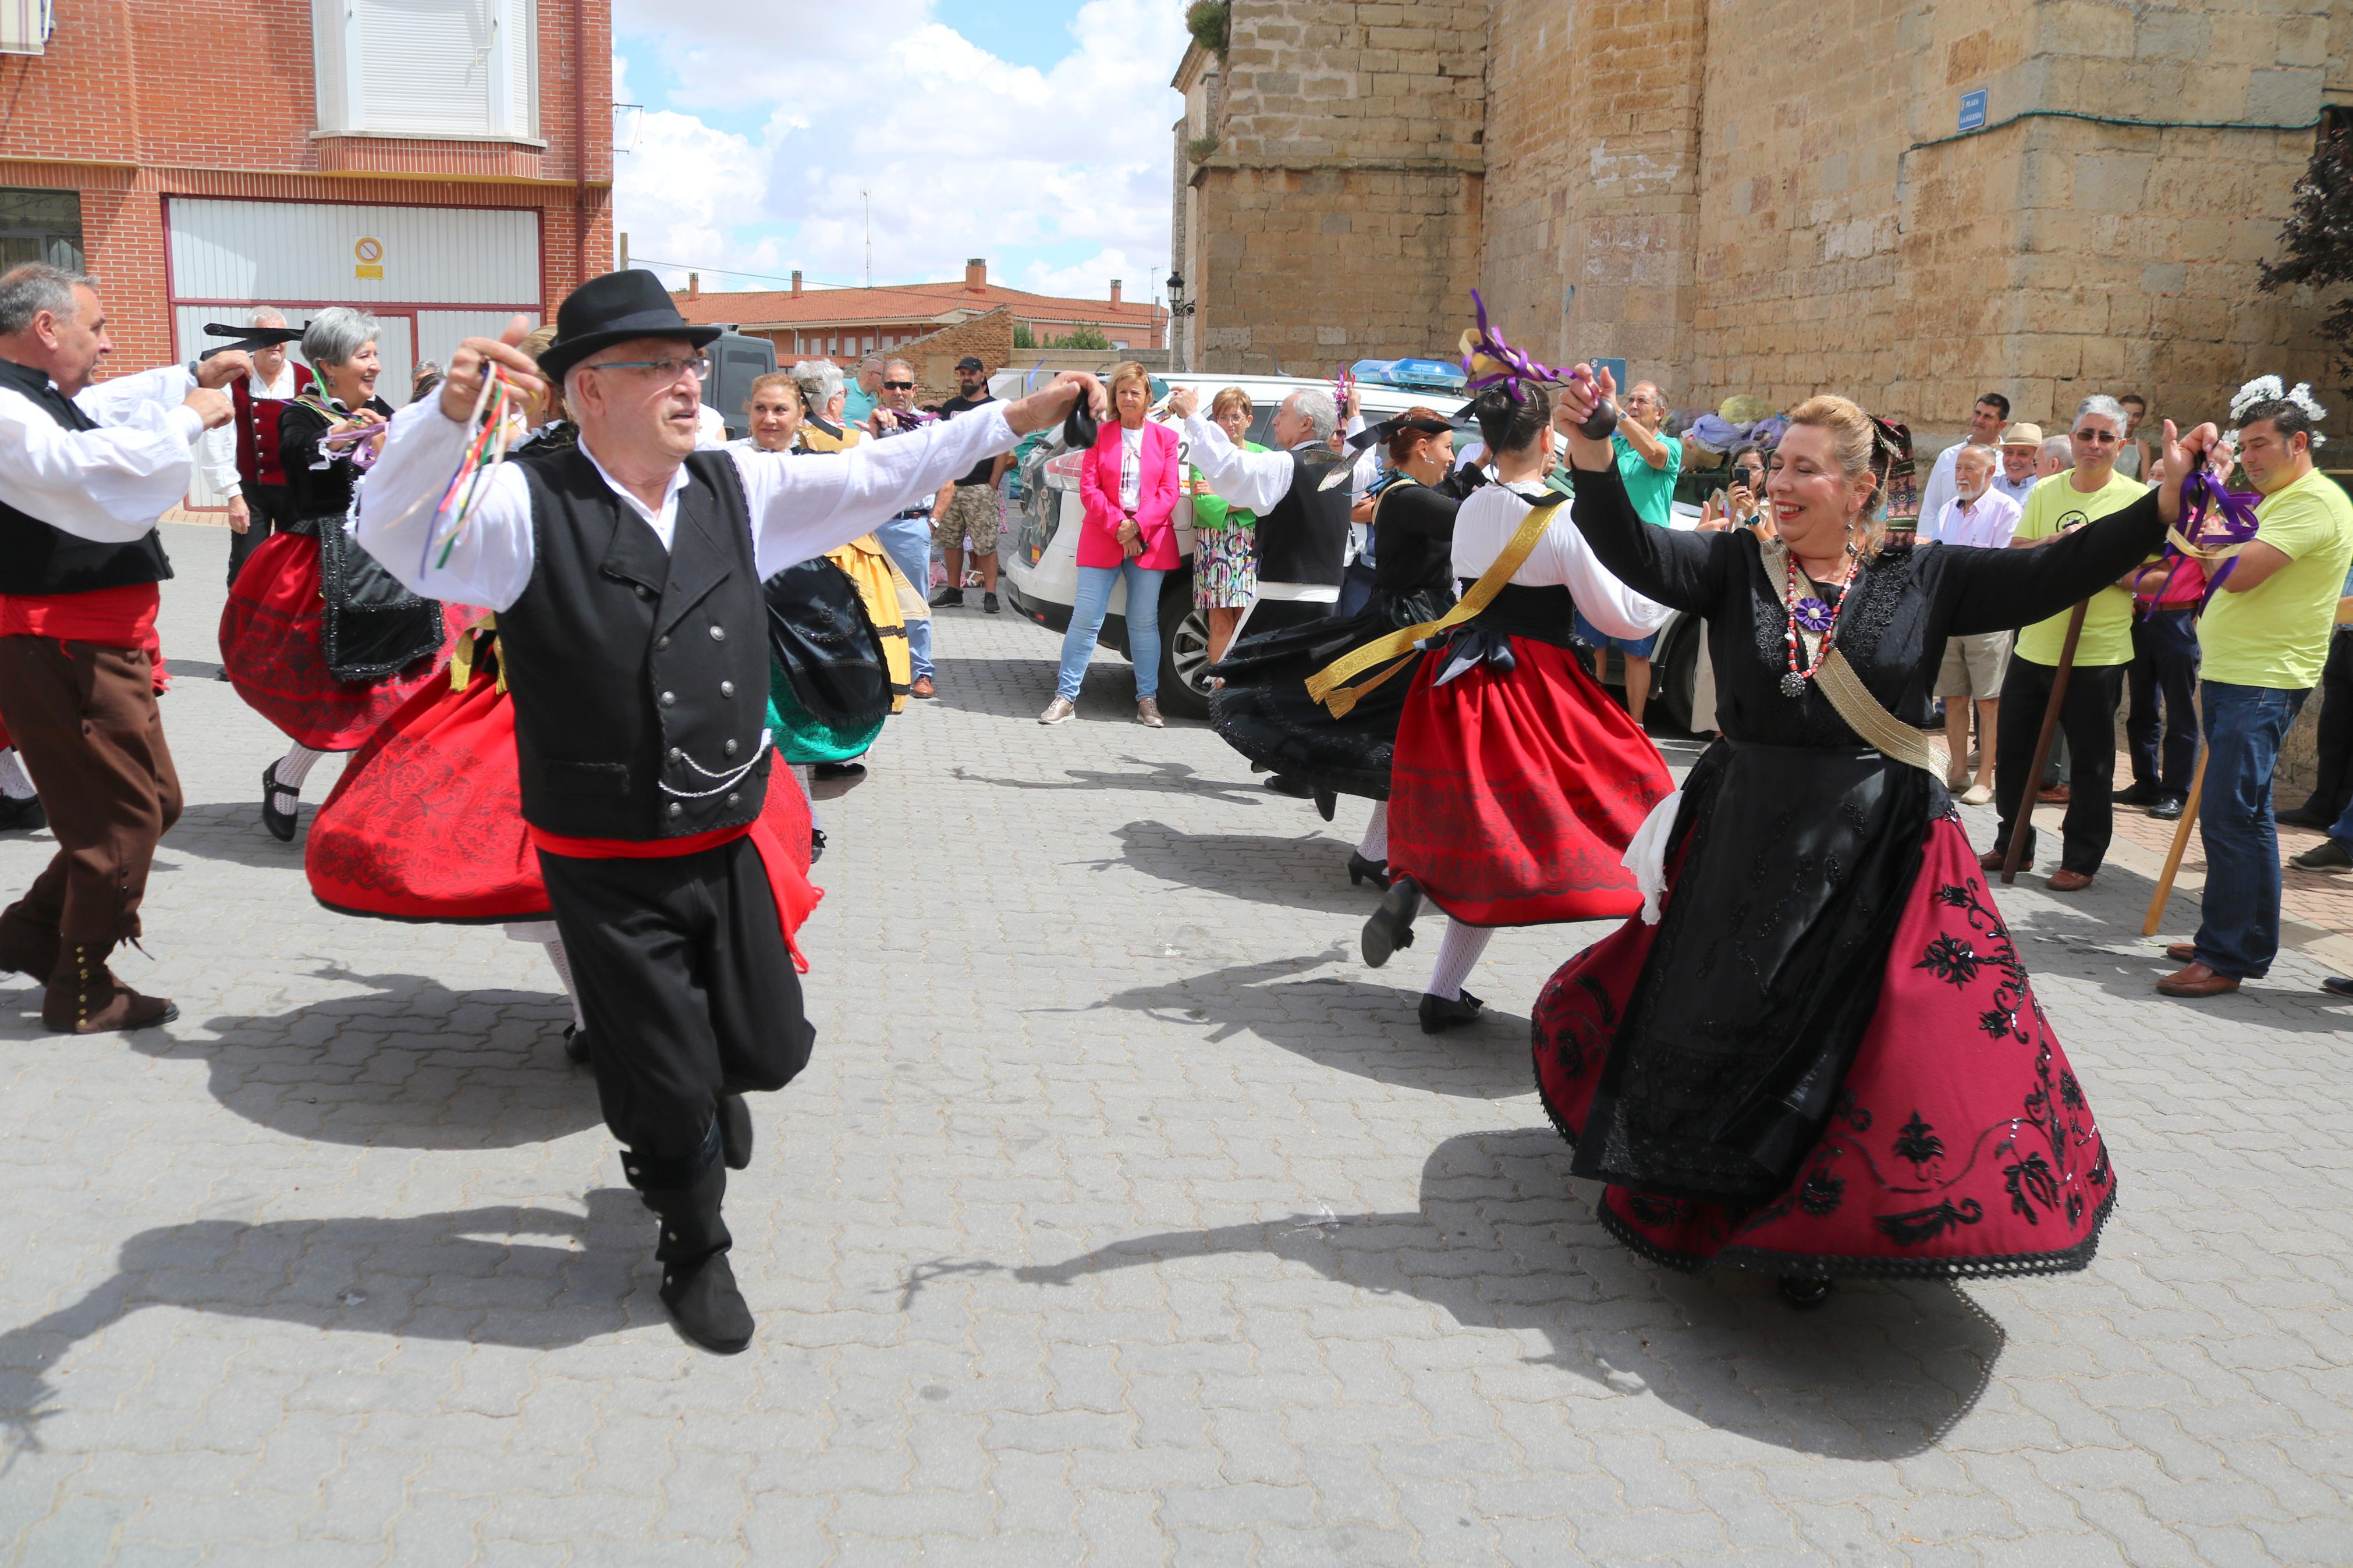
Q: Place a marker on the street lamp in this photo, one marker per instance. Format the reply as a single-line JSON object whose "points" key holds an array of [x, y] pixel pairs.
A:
{"points": [[1179, 309]]}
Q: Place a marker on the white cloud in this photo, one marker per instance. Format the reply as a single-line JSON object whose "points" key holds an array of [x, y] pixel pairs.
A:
{"points": [[961, 153], [1091, 278]]}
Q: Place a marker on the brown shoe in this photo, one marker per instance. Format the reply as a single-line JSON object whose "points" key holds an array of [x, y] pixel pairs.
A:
{"points": [[2182, 951], [1990, 861], [85, 998], [922, 687], [2062, 880], [27, 946], [2196, 980], [1147, 713], [2057, 795]]}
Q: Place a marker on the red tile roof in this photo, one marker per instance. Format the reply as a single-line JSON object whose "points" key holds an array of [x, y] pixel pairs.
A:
{"points": [[911, 302]]}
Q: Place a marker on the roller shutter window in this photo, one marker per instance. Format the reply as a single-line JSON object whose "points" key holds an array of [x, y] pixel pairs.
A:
{"points": [[428, 68]]}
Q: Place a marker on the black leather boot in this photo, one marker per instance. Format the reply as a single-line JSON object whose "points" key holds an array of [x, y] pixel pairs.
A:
{"points": [[698, 1283]]}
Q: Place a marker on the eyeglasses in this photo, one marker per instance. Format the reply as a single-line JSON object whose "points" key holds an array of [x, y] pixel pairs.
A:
{"points": [[898, 386], [698, 366]]}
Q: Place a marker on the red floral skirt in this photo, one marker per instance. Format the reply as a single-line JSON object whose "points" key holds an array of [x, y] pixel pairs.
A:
{"points": [[1514, 795], [427, 822], [269, 647], [1962, 1142]]}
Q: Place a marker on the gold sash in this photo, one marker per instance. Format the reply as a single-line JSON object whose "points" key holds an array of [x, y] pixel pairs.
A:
{"points": [[1866, 715], [1324, 685], [462, 654]]}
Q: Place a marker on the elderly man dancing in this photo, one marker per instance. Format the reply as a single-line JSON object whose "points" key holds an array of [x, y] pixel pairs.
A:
{"points": [[627, 573]]}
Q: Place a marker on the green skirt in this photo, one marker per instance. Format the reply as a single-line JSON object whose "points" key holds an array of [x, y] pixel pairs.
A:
{"points": [[802, 736]]}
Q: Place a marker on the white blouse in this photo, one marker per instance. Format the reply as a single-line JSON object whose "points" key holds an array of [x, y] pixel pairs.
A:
{"points": [[1561, 558], [1131, 469]]}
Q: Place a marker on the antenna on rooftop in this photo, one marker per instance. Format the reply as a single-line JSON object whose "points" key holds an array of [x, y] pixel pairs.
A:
{"points": [[867, 204]]}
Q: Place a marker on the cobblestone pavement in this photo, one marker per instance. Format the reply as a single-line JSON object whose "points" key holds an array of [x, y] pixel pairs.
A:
{"points": [[1122, 1218]]}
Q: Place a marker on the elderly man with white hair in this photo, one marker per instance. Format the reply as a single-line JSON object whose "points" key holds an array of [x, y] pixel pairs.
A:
{"points": [[2091, 490], [625, 573]]}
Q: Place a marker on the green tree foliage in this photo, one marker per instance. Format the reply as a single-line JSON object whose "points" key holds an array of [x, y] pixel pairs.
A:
{"points": [[2316, 242]]}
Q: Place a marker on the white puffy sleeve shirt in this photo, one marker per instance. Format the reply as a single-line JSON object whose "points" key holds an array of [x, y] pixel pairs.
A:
{"points": [[1486, 522]]}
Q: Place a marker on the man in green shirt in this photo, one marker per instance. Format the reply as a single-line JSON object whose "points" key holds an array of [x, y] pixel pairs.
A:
{"points": [[1649, 465], [2087, 716], [2264, 638]]}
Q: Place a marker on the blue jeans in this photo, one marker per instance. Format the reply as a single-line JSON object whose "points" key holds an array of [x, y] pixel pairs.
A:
{"points": [[1087, 619], [2245, 726], [908, 541]]}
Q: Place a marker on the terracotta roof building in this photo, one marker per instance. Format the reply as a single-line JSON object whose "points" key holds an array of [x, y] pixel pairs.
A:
{"points": [[845, 323]]}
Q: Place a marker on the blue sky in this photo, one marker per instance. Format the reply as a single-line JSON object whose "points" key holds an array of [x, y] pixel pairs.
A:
{"points": [[1030, 133]]}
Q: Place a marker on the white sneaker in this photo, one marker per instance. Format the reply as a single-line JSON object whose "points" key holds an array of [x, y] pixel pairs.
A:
{"points": [[1058, 711]]}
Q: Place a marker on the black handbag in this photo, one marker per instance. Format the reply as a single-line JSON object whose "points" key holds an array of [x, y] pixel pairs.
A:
{"points": [[371, 625], [821, 636]]}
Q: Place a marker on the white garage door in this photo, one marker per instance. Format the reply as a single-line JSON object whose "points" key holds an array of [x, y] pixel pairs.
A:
{"points": [[433, 276]]}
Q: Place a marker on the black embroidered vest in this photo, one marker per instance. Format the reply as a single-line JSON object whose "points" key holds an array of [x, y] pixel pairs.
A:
{"points": [[1304, 537], [36, 558], [641, 676]]}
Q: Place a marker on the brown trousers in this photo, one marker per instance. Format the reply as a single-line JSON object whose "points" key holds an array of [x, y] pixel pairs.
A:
{"points": [[84, 716]]}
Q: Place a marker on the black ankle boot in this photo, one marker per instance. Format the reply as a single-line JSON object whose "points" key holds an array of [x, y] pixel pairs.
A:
{"points": [[1391, 926], [698, 1283]]}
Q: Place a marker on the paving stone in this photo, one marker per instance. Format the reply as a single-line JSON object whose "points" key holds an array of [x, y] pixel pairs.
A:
{"points": [[1122, 1217]]}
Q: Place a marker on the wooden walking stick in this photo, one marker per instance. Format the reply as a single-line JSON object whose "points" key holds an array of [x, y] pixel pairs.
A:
{"points": [[2173, 856], [2025, 824]]}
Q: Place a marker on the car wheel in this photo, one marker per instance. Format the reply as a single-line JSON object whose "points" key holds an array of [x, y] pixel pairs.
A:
{"points": [[1184, 649]]}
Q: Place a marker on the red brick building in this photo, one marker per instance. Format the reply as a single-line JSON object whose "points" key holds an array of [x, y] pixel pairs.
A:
{"points": [[844, 324], [444, 165]]}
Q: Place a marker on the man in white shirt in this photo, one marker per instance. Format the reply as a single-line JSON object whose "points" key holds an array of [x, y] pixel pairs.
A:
{"points": [[1978, 517], [2020, 449], [1985, 424], [627, 573], [241, 457], [84, 473]]}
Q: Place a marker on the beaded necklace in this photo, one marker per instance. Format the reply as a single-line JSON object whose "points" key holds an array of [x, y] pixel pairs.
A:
{"points": [[1816, 617]]}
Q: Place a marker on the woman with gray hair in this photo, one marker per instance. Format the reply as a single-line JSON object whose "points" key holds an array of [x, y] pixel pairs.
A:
{"points": [[316, 637]]}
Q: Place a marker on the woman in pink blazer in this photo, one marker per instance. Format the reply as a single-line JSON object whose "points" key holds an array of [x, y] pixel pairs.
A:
{"points": [[1129, 484]]}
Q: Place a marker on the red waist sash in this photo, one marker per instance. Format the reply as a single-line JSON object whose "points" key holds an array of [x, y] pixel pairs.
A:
{"points": [[794, 895], [111, 617]]}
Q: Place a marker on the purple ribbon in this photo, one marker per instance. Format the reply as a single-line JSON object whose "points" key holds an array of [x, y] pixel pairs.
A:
{"points": [[2200, 493], [1518, 366]]}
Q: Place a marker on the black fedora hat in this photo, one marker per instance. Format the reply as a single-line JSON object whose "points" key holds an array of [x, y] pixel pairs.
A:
{"points": [[611, 310]]}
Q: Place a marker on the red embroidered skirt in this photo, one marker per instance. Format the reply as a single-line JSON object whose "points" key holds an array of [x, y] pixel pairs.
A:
{"points": [[1961, 1143], [269, 647], [1513, 796], [427, 822]]}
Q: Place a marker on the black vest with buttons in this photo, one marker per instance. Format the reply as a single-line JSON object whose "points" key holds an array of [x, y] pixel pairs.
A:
{"points": [[639, 675], [1304, 537], [37, 559]]}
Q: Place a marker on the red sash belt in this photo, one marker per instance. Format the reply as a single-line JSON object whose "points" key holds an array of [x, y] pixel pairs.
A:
{"points": [[113, 618], [794, 895]]}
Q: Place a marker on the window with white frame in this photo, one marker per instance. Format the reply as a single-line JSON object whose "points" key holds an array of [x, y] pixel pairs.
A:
{"points": [[427, 67]]}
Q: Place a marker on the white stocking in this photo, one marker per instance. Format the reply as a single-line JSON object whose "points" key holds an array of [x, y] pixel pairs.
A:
{"points": [[291, 770], [14, 781], [1457, 954], [563, 973], [1375, 844]]}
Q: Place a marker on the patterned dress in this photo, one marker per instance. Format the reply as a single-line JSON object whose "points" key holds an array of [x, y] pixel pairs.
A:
{"points": [[1225, 548]]}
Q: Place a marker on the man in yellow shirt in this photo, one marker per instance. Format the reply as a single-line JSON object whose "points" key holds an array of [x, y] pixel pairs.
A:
{"points": [[2087, 716], [2264, 638]]}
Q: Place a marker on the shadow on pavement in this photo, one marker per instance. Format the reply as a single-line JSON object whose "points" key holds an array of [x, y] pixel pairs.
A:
{"points": [[1349, 1026], [1175, 778], [1306, 872], [453, 1276], [234, 833], [1500, 1241], [412, 1066]]}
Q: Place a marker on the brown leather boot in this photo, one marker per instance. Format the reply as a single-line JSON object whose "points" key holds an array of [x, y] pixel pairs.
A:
{"points": [[85, 998], [27, 946]]}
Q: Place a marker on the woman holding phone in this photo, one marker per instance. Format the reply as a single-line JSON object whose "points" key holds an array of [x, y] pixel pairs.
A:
{"points": [[1129, 487]]}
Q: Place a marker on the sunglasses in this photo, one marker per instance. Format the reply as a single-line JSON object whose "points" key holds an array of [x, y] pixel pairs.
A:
{"points": [[898, 386]]}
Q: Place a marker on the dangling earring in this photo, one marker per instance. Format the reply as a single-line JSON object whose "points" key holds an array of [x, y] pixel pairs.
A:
{"points": [[1853, 550]]}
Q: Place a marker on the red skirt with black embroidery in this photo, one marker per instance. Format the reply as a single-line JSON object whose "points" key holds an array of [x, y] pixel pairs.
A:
{"points": [[271, 650], [427, 822], [1513, 794], [1961, 1143]]}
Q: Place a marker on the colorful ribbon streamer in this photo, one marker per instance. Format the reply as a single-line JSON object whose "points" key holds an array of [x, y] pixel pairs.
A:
{"points": [[1488, 360], [2196, 540]]}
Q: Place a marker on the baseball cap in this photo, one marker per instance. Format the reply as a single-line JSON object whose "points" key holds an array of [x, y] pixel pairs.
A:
{"points": [[2022, 435], [970, 362]]}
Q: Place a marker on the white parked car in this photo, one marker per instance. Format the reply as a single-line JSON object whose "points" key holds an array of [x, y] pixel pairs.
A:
{"points": [[1039, 559]]}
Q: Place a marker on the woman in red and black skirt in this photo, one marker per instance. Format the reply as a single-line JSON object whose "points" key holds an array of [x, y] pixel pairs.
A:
{"points": [[1824, 1058], [1516, 781], [316, 637]]}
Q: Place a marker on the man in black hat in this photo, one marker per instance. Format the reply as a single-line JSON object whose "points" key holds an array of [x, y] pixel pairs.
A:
{"points": [[973, 510], [627, 573]]}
